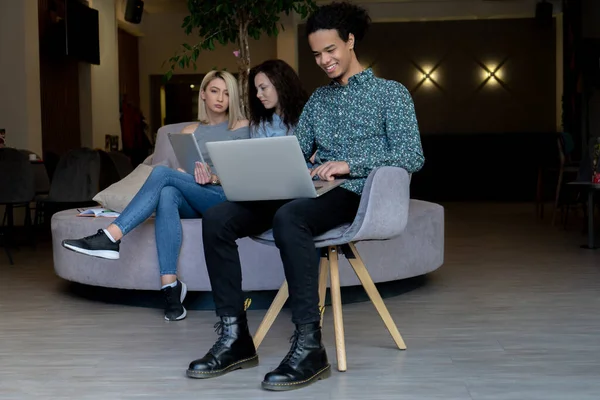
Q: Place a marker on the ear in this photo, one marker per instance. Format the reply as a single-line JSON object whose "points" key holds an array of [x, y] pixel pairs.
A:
{"points": [[203, 94], [350, 41]]}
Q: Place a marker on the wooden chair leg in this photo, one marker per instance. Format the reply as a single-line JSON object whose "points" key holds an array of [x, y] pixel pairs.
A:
{"points": [[364, 277], [323, 274], [336, 302], [271, 314]]}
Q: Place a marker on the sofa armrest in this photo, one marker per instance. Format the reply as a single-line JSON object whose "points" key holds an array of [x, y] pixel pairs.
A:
{"points": [[383, 210]]}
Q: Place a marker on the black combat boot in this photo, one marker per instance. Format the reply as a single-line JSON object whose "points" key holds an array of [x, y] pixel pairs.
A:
{"points": [[305, 363], [233, 350]]}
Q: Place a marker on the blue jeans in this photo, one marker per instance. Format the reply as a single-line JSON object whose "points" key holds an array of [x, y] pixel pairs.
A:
{"points": [[173, 195]]}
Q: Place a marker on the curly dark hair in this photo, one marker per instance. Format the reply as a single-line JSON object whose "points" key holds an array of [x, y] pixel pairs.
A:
{"points": [[344, 17], [292, 96]]}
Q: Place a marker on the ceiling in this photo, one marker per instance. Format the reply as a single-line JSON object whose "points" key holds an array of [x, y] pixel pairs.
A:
{"points": [[180, 6], [165, 6], [170, 6]]}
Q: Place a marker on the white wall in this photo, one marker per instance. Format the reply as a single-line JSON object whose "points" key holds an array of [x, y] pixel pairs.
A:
{"points": [[99, 84], [163, 36], [287, 40], [20, 112]]}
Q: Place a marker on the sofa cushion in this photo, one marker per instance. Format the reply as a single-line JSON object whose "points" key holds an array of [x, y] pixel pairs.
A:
{"points": [[118, 195]]}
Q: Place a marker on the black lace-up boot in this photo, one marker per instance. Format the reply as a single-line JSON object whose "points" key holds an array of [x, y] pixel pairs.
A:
{"points": [[233, 350], [305, 363]]}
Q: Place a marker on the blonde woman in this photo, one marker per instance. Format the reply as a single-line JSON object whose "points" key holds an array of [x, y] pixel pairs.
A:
{"points": [[175, 194]]}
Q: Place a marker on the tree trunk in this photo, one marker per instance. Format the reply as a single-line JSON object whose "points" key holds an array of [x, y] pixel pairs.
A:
{"points": [[243, 66]]}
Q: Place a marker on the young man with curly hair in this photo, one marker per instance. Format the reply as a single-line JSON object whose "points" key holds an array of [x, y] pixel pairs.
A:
{"points": [[355, 124]]}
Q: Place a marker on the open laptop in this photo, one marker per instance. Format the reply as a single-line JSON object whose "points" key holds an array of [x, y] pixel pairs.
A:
{"points": [[265, 169], [186, 150]]}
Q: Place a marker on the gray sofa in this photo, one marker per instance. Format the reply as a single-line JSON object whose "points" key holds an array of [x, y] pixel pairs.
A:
{"points": [[418, 250]]}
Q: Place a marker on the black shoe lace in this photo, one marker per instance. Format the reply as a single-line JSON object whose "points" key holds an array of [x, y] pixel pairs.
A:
{"points": [[292, 354], [170, 296], [95, 235], [220, 329]]}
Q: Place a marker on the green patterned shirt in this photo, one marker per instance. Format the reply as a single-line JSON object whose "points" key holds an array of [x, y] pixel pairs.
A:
{"points": [[369, 123]]}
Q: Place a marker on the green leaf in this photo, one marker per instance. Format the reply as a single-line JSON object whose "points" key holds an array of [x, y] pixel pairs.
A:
{"points": [[169, 75], [216, 21]]}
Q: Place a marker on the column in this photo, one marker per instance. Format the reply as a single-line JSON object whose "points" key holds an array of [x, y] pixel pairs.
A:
{"points": [[99, 84], [20, 112]]}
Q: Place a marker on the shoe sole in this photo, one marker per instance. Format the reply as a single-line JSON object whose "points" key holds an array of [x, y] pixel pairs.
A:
{"points": [[106, 254], [181, 298], [280, 387], [242, 364]]}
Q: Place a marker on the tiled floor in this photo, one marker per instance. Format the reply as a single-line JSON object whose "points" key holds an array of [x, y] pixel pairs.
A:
{"points": [[513, 314]]}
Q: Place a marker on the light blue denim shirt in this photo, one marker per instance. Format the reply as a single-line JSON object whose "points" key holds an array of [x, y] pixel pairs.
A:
{"points": [[273, 129]]}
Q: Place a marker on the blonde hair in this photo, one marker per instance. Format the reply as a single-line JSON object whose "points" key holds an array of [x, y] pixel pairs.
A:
{"points": [[234, 110]]}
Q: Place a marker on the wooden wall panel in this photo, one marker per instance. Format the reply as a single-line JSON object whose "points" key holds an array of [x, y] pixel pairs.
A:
{"points": [[59, 83], [526, 102], [129, 70]]}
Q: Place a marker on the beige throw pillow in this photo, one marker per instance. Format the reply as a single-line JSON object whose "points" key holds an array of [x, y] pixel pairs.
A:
{"points": [[118, 195]]}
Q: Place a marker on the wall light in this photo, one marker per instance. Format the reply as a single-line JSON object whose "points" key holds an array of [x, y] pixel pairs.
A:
{"points": [[426, 75], [492, 74], [192, 86]]}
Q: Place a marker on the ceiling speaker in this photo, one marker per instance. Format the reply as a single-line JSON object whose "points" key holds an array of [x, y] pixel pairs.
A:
{"points": [[134, 11]]}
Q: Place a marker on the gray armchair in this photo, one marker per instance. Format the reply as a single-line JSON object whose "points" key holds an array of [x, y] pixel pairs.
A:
{"points": [[17, 187], [122, 163], [75, 182], [382, 215]]}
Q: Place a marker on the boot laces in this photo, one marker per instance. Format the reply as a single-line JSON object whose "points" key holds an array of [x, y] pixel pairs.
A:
{"points": [[220, 330], [292, 355]]}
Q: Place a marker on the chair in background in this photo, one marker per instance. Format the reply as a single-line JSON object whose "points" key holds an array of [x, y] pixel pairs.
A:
{"points": [[75, 182], [51, 160], [17, 187], [122, 163], [382, 215], [566, 166], [40, 174], [108, 171]]}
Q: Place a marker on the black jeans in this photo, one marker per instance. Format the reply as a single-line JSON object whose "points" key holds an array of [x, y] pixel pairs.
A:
{"points": [[294, 224]]}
